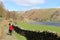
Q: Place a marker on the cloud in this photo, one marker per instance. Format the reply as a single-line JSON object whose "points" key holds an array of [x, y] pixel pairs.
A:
{"points": [[0, 0], [58, 7], [34, 7], [28, 2]]}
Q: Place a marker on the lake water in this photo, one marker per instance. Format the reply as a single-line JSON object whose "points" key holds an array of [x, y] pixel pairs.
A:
{"points": [[46, 23]]}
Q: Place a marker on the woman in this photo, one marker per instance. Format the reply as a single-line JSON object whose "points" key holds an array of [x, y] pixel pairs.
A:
{"points": [[10, 28]]}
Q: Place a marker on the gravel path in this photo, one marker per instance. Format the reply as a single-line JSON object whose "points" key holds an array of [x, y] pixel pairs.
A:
{"points": [[5, 36]]}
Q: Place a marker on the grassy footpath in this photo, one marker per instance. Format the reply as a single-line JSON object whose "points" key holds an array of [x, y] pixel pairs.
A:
{"points": [[0, 32], [36, 28], [0, 28]]}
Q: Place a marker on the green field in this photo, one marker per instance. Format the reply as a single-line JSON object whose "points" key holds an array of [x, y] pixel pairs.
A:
{"points": [[36, 28]]}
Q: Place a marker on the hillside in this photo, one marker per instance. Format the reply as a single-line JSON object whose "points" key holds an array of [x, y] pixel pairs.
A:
{"points": [[52, 14], [48, 14]]}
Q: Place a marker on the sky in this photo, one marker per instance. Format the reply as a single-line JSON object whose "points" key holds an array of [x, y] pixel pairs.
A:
{"points": [[23, 5]]}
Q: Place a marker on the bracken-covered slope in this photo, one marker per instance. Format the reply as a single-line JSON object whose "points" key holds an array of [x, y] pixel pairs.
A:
{"points": [[52, 14]]}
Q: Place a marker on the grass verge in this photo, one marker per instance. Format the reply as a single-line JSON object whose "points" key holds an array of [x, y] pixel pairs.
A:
{"points": [[36, 28], [19, 37]]}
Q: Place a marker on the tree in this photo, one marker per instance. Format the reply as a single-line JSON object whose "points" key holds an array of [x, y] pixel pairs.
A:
{"points": [[2, 10]]}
